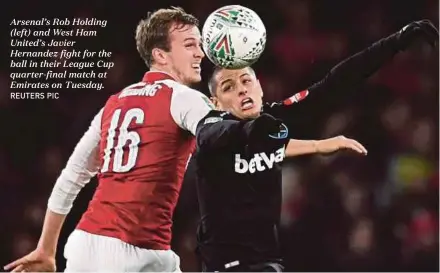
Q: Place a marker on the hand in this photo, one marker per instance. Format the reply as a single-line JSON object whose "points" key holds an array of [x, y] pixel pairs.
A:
{"points": [[340, 142], [36, 261], [418, 29]]}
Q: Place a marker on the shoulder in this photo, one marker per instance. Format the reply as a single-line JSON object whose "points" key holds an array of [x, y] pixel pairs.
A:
{"points": [[212, 117], [188, 98], [176, 87], [216, 116], [184, 92]]}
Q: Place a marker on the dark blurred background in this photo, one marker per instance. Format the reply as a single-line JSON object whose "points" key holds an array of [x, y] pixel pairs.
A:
{"points": [[340, 212]]}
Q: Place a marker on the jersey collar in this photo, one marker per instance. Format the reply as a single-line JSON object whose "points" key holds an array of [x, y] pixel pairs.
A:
{"points": [[154, 76]]}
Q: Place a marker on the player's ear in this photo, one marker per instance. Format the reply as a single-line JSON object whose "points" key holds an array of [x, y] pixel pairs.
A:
{"points": [[159, 56], [214, 101], [259, 88]]}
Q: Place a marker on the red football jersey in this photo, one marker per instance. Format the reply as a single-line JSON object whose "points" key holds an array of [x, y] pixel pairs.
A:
{"points": [[145, 145]]}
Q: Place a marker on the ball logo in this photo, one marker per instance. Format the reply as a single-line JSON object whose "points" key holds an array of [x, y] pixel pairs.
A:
{"points": [[284, 132], [223, 44], [228, 13]]}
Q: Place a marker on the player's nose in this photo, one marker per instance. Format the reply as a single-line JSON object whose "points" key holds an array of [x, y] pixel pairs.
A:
{"points": [[199, 53], [242, 90]]}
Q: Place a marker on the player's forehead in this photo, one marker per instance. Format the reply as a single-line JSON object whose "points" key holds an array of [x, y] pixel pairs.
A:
{"points": [[181, 32], [225, 75]]}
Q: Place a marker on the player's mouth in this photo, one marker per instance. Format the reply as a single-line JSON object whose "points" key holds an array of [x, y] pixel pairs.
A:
{"points": [[247, 104], [196, 67]]}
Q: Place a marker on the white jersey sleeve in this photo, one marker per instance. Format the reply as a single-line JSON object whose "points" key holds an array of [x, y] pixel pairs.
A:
{"points": [[188, 107], [82, 165]]}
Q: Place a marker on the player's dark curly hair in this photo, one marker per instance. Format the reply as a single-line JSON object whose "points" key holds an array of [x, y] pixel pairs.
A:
{"points": [[153, 32]]}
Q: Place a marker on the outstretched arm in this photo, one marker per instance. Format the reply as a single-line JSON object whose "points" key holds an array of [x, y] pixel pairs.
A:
{"points": [[355, 69], [297, 147], [82, 165], [358, 67]]}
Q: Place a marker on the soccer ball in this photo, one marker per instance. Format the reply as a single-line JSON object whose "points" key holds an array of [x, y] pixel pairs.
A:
{"points": [[233, 37]]}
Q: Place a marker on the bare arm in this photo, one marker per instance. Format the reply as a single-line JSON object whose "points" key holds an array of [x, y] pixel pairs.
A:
{"points": [[53, 222], [82, 165], [297, 147]]}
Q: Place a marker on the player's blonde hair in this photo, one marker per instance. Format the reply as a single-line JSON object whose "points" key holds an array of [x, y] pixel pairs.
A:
{"points": [[153, 32]]}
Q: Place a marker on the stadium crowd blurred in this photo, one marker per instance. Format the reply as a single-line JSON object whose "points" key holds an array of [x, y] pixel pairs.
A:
{"points": [[340, 212]]}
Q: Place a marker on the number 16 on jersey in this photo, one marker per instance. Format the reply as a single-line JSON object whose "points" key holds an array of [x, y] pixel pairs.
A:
{"points": [[124, 139]]}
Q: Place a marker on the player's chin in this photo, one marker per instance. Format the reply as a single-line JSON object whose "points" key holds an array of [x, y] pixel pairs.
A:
{"points": [[196, 77], [250, 113]]}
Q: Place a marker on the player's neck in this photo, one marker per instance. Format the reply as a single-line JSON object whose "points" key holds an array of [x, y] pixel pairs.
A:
{"points": [[165, 71]]}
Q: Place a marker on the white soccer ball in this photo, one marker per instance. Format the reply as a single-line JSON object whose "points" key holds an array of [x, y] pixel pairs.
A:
{"points": [[233, 37]]}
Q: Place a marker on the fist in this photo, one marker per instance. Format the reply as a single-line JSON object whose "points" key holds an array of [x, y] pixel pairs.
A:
{"points": [[418, 29]]}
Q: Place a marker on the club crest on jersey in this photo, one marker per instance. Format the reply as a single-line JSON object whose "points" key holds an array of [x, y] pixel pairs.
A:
{"points": [[284, 132]]}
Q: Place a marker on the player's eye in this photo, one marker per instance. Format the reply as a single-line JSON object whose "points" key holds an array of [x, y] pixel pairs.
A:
{"points": [[189, 45], [246, 81], [227, 88]]}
